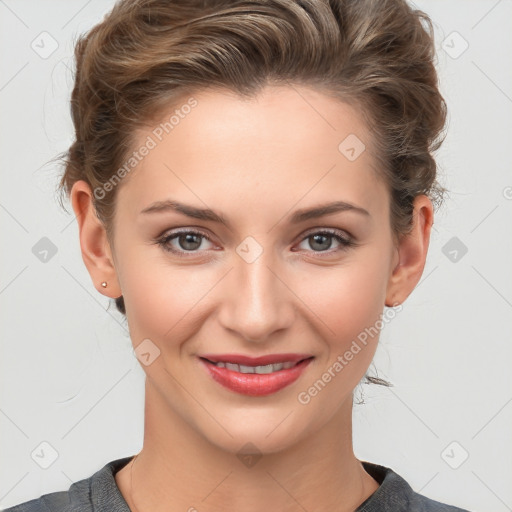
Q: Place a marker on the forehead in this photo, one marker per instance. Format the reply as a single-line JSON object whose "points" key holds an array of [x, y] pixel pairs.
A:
{"points": [[286, 143]]}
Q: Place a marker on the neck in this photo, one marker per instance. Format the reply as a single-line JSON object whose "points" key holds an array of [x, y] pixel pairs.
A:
{"points": [[178, 469]]}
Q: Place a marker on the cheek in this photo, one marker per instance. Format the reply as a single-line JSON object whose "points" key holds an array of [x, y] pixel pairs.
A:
{"points": [[348, 303], [161, 299]]}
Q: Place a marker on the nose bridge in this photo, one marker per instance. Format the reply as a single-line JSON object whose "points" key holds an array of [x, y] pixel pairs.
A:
{"points": [[259, 302]]}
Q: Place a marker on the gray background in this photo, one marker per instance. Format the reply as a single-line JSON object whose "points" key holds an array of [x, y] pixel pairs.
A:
{"points": [[69, 375]]}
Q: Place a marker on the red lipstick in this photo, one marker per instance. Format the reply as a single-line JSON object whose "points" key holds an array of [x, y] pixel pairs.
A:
{"points": [[247, 380]]}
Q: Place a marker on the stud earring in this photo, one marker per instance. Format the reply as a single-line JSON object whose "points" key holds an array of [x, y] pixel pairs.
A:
{"points": [[104, 284]]}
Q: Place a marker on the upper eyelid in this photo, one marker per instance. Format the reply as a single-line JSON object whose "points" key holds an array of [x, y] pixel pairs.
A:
{"points": [[176, 232], [330, 231]]}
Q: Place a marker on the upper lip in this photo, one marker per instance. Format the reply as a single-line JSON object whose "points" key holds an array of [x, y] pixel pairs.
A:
{"points": [[255, 361]]}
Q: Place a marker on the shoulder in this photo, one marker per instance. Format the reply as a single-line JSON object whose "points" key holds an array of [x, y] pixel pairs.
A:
{"points": [[420, 503], [76, 499], [52, 502], [98, 493], [396, 495]]}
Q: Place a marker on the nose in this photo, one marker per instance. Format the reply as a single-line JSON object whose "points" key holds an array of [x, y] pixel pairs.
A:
{"points": [[256, 300]]}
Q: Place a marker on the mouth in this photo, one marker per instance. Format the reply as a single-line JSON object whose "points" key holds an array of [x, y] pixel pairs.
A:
{"points": [[256, 379]]}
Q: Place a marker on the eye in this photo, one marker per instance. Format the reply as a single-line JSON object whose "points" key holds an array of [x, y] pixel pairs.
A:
{"points": [[188, 241], [321, 241]]}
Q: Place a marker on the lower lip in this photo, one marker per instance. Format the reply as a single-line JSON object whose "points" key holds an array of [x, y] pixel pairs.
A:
{"points": [[254, 384]]}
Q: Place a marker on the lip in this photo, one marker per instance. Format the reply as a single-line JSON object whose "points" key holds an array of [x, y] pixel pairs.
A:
{"points": [[255, 361], [253, 384]]}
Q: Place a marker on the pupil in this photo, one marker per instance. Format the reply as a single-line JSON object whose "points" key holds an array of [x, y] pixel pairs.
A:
{"points": [[316, 237], [187, 238]]}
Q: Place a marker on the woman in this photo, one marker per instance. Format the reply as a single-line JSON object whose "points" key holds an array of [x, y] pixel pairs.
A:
{"points": [[254, 182]]}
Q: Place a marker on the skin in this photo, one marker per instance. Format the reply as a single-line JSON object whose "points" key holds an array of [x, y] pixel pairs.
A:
{"points": [[255, 162]]}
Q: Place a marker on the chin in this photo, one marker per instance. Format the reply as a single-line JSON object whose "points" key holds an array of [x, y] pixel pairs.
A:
{"points": [[258, 433]]}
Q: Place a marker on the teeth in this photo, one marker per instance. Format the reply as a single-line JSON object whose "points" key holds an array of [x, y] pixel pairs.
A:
{"points": [[247, 369], [268, 368]]}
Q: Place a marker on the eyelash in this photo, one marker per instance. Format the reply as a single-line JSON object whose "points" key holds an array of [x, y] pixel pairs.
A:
{"points": [[163, 242]]}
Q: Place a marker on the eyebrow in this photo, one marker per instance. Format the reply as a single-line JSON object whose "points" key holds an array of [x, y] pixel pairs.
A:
{"points": [[208, 214]]}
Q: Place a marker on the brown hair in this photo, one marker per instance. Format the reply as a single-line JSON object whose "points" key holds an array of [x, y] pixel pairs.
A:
{"points": [[377, 55]]}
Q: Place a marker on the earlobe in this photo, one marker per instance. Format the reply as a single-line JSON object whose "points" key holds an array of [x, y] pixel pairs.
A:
{"points": [[94, 244], [412, 253]]}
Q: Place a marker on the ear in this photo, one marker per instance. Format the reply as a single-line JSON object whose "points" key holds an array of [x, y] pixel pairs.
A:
{"points": [[96, 251], [412, 253]]}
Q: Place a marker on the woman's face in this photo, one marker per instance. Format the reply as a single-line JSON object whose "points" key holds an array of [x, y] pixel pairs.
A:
{"points": [[267, 281]]}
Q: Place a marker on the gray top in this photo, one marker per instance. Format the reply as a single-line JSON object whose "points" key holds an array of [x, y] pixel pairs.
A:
{"points": [[99, 493]]}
